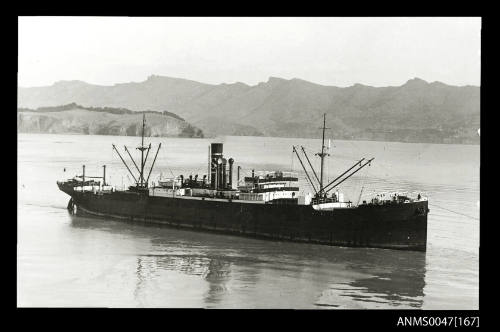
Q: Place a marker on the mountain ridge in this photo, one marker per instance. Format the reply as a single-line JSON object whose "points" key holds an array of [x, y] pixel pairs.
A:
{"points": [[416, 111], [154, 76]]}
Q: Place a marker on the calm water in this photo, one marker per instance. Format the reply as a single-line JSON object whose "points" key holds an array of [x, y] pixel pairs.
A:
{"points": [[65, 260]]}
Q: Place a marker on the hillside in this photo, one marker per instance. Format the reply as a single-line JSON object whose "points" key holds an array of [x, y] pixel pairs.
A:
{"points": [[76, 119], [417, 111]]}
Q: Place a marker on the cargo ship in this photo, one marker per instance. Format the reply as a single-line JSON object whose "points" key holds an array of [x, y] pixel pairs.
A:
{"points": [[265, 204]]}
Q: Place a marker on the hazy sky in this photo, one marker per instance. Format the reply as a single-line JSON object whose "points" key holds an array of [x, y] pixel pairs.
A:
{"points": [[329, 51]]}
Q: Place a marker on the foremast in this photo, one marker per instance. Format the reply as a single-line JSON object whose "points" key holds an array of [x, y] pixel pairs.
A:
{"points": [[141, 181]]}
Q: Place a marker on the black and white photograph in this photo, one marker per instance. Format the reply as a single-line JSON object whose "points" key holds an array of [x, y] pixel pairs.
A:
{"points": [[248, 162]]}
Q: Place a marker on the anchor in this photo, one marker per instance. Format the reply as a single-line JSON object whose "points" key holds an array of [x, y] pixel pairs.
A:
{"points": [[71, 206]]}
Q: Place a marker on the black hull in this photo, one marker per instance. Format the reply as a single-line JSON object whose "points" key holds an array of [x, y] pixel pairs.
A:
{"points": [[391, 226]]}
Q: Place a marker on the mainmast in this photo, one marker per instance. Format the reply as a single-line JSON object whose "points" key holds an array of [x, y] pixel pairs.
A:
{"points": [[323, 190], [322, 155], [142, 148]]}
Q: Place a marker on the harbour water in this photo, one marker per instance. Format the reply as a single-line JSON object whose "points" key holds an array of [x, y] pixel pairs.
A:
{"points": [[65, 260]]}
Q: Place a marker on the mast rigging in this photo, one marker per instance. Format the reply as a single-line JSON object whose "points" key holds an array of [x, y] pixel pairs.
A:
{"points": [[367, 163], [341, 175], [154, 160], [305, 170], [138, 170], [312, 168], [124, 163]]}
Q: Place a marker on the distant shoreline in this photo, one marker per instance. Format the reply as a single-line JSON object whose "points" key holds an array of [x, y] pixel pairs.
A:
{"points": [[263, 137]]}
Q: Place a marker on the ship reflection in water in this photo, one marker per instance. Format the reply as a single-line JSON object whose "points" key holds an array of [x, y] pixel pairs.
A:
{"points": [[178, 268]]}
